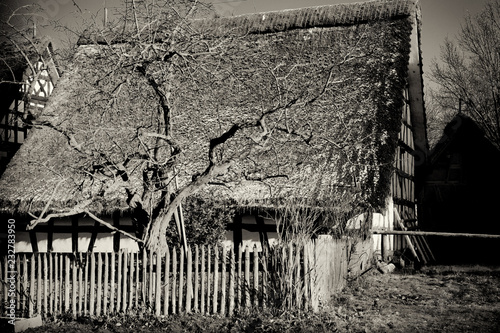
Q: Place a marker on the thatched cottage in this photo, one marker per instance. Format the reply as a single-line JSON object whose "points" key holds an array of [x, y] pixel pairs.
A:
{"points": [[337, 94], [459, 193]]}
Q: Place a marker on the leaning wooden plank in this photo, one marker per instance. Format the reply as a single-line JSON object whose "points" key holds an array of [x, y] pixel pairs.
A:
{"points": [[408, 240]]}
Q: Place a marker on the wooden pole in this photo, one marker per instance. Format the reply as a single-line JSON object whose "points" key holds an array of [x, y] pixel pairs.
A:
{"points": [[433, 233]]}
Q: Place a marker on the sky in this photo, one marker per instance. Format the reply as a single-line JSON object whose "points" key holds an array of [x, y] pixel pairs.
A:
{"points": [[440, 18]]}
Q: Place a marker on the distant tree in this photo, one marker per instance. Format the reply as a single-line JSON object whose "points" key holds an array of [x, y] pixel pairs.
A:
{"points": [[469, 72]]}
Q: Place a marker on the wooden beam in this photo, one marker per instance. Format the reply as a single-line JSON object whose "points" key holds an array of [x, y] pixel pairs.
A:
{"points": [[433, 233]]}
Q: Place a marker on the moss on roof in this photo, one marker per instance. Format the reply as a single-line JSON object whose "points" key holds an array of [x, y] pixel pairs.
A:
{"points": [[343, 140]]}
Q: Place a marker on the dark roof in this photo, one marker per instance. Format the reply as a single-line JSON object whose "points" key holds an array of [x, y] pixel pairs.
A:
{"points": [[465, 129], [362, 110]]}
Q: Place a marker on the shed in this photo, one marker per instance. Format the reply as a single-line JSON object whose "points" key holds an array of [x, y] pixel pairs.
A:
{"points": [[349, 139], [460, 193]]}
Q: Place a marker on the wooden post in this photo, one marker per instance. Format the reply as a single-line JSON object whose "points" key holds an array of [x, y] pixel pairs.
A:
{"points": [[31, 298]]}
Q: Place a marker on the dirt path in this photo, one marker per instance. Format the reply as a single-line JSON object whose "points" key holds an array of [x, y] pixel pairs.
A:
{"points": [[452, 299]]}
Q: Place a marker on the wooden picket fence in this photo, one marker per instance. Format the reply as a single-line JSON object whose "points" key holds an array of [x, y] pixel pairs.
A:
{"points": [[206, 279]]}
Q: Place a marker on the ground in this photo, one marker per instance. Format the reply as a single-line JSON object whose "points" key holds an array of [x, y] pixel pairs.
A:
{"points": [[434, 299]]}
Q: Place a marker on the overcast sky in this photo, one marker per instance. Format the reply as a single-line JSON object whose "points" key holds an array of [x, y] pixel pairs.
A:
{"points": [[440, 18]]}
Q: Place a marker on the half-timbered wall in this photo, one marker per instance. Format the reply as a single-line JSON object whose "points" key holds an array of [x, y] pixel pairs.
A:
{"points": [[76, 234], [32, 96], [403, 180]]}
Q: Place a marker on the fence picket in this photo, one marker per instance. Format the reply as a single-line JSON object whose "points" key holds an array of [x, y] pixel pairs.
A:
{"points": [[112, 283], [202, 305], [131, 280], [39, 283], [31, 299], [232, 277], [158, 285], [223, 281], [247, 277], [174, 278], [167, 281], [181, 279], [52, 280], [238, 279], [124, 281], [119, 278], [106, 284], [209, 273], [255, 277], [216, 279], [196, 277], [189, 280], [92, 284]]}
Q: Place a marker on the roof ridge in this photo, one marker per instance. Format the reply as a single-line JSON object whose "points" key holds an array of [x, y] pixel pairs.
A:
{"points": [[309, 17]]}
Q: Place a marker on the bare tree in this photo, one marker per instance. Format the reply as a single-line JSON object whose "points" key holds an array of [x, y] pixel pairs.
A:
{"points": [[469, 76], [137, 63]]}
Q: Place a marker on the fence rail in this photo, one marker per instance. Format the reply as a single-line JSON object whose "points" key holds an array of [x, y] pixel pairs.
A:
{"points": [[211, 280]]}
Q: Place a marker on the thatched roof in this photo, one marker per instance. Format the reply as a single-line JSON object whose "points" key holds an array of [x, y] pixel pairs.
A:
{"points": [[343, 139]]}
